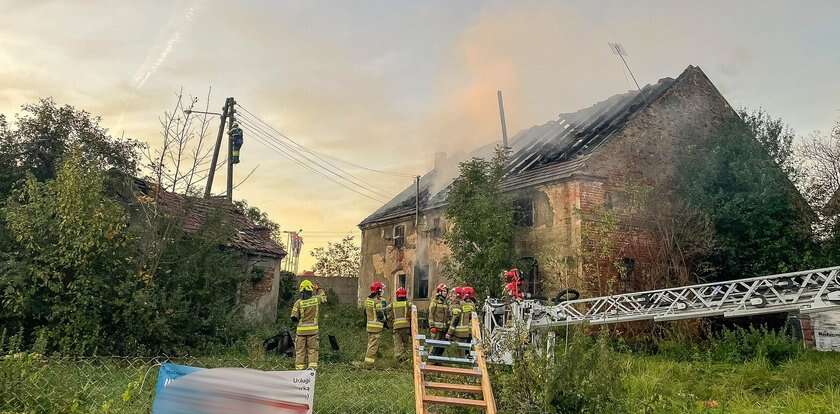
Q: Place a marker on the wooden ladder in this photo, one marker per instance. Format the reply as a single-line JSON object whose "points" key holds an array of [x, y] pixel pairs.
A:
{"points": [[473, 366]]}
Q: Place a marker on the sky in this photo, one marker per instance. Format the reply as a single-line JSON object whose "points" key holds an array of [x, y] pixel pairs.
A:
{"points": [[387, 84]]}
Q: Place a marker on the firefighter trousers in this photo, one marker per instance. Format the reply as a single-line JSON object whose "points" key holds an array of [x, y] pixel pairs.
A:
{"points": [[439, 335], [402, 342], [372, 347], [306, 346], [464, 339]]}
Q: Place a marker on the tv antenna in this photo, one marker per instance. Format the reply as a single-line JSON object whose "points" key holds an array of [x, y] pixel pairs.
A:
{"points": [[619, 50]]}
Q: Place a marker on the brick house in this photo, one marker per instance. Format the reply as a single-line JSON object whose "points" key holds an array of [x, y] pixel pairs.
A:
{"points": [[260, 255], [560, 173]]}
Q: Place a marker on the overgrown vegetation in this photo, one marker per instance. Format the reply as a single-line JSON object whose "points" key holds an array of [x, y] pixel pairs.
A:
{"points": [[481, 236], [739, 371], [762, 225], [80, 271]]}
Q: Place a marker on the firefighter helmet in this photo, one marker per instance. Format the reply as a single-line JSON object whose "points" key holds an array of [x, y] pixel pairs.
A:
{"points": [[377, 287], [401, 292], [459, 292], [442, 289], [306, 286], [467, 292], [512, 274]]}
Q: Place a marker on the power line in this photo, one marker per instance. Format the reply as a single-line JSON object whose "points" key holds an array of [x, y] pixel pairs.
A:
{"points": [[319, 154], [335, 171], [361, 167], [272, 145], [301, 160]]}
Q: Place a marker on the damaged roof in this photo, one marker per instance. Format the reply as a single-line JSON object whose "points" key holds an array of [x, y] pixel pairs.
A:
{"points": [[543, 153], [194, 212]]}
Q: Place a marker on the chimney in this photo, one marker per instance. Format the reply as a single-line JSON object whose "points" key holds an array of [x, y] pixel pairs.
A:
{"points": [[440, 159]]}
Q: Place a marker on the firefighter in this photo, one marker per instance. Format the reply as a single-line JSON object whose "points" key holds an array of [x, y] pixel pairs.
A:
{"points": [[400, 311], [305, 314], [513, 285], [460, 327], [236, 139], [439, 316], [375, 311]]}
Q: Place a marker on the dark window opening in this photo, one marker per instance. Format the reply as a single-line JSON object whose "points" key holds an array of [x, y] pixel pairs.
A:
{"points": [[399, 236], [437, 231], [529, 270], [421, 281], [523, 212], [401, 281]]}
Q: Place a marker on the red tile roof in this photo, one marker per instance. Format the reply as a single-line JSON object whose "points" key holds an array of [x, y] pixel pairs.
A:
{"points": [[195, 211]]}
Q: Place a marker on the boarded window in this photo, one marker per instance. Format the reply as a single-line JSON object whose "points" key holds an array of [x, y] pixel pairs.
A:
{"points": [[399, 236], [421, 281], [523, 212]]}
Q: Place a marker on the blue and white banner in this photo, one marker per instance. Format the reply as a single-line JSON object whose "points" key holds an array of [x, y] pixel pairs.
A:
{"points": [[184, 389]]}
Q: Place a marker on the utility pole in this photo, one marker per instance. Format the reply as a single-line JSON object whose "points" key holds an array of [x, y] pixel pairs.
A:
{"points": [[209, 187], [231, 120], [502, 117]]}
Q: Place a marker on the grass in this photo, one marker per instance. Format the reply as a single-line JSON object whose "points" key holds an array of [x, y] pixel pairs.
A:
{"points": [[664, 383], [808, 384]]}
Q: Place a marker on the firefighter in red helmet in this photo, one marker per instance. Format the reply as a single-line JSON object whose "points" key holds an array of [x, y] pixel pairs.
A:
{"points": [[460, 327], [376, 309], [439, 316], [513, 284], [400, 311]]}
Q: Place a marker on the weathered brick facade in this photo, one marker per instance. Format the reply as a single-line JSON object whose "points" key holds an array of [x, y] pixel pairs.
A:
{"points": [[568, 210]]}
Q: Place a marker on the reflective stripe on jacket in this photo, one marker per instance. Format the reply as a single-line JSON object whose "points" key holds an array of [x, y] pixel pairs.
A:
{"points": [[399, 313], [438, 313], [460, 326], [373, 310], [306, 311]]}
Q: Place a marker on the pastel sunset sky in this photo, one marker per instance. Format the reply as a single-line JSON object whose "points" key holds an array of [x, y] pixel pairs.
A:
{"points": [[386, 84]]}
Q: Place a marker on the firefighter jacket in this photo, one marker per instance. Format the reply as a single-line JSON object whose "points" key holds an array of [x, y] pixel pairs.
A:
{"points": [[439, 313], [400, 311], [460, 326], [375, 314], [306, 312]]}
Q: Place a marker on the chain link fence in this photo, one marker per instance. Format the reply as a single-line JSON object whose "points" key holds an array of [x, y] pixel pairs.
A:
{"points": [[32, 383]]}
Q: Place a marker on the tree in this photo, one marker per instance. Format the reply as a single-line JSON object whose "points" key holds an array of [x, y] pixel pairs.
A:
{"points": [[481, 236], [45, 132], [820, 157], [774, 135], [341, 258], [820, 160], [761, 223], [73, 266], [259, 218]]}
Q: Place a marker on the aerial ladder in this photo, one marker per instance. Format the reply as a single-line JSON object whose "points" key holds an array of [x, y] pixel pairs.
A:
{"points": [[804, 292], [468, 382]]}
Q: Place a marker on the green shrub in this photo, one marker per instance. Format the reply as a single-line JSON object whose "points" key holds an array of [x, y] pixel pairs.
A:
{"points": [[581, 376], [741, 345], [587, 377]]}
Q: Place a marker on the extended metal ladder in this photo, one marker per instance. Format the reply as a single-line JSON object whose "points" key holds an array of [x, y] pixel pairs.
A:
{"points": [[808, 291], [473, 365]]}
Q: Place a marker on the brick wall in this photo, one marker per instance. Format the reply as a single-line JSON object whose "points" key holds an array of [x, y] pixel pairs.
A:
{"points": [[344, 288], [258, 296]]}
